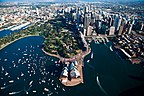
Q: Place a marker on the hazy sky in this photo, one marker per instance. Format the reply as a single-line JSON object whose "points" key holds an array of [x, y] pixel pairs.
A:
{"points": [[62, 0]]}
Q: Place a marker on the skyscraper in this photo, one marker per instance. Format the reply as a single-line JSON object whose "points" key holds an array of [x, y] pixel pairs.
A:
{"points": [[120, 30], [130, 28], [37, 11], [112, 30], [117, 22], [142, 27], [89, 31], [87, 20]]}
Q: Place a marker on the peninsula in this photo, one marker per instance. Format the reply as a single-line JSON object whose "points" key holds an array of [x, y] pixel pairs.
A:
{"points": [[70, 48]]}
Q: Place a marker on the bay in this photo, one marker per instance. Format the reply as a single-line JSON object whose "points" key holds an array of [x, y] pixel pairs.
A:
{"points": [[35, 73]]}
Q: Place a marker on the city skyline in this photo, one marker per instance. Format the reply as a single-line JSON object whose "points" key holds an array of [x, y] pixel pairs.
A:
{"points": [[71, 48]]}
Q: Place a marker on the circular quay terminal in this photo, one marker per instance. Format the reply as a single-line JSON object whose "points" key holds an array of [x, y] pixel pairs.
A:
{"points": [[71, 47]]}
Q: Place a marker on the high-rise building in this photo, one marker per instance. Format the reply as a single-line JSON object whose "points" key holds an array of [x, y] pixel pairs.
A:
{"points": [[103, 29], [74, 16], [110, 21], [117, 22], [84, 32], [78, 16], [98, 17], [142, 27], [130, 28], [86, 9], [89, 31], [37, 11], [120, 30], [93, 18], [124, 22], [112, 30], [87, 20]]}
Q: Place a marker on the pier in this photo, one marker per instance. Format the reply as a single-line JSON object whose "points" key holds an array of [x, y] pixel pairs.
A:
{"points": [[98, 39]]}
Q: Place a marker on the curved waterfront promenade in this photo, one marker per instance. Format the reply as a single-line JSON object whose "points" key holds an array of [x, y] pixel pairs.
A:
{"points": [[79, 58], [4, 45]]}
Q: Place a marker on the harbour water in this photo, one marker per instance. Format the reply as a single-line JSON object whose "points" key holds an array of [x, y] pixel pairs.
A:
{"points": [[5, 33], [25, 69]]}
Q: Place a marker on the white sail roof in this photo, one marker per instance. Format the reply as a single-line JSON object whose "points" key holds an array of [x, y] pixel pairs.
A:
{"points": [[64, 73], [74, 73]]}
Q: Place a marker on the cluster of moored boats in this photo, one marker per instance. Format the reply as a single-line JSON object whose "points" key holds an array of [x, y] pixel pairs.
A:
{"points": [[34, 70]]}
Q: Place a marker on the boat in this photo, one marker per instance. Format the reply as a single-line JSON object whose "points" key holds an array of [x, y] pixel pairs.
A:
{"points": [[26, 92], [43, 81], [11, 81], [111, 48], [96, 42], [6, 73], [22, 74], [2, 68], [30, 82], [25, 54], [100, 40], [91, 55], [34, 91], [18, 78], [5, 60], [63, 89], [88, 61], [12, 93], [46, 89]]}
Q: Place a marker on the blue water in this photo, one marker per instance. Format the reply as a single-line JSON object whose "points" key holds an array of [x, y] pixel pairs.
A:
{"points": [[5, 33], [23, 61]]}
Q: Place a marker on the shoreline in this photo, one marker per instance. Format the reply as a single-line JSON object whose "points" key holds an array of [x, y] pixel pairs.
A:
{"points": [[57, 56], [130, 58], [5, 45]]}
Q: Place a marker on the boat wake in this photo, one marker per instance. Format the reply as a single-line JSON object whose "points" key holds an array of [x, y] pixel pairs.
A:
{"points": [[12, 93], [106, 45], [111, 48], [119, 56], [6, 86], [101, 88]]}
